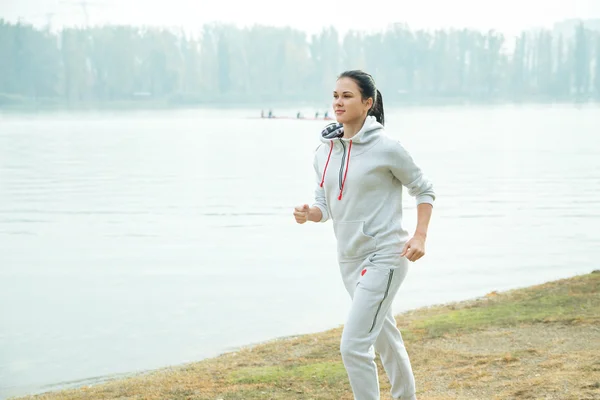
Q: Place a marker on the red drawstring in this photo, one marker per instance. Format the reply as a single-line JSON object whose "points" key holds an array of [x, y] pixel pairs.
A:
{"points": [[327, 163], [346, 172]]}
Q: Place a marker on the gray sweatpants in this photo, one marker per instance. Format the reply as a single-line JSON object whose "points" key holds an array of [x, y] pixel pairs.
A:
{"points": [[372, 285]]}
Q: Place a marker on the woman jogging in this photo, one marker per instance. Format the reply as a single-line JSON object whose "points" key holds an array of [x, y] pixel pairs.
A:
{"points": [[360, 173]]}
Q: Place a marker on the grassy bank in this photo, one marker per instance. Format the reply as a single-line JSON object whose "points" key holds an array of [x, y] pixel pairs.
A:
{"points": [[541, 342]]}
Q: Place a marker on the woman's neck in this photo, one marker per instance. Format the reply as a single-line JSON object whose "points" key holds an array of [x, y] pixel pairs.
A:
{"points": [[352, 128]]}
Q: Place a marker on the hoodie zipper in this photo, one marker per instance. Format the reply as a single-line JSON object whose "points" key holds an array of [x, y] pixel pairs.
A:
{"points": [[342, 163]]}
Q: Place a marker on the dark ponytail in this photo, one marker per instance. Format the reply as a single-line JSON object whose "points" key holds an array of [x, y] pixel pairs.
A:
{"points": [[377, 109], [367, 87]]}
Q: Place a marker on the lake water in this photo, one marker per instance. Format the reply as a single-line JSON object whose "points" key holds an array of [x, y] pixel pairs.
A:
{"points": [[133, 241]]}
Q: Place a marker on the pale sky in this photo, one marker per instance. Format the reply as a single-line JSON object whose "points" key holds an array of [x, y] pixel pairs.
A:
{"points": [[508, 16]]}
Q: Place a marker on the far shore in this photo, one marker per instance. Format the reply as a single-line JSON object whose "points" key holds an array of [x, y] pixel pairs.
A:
{"points": [[53, 105]]}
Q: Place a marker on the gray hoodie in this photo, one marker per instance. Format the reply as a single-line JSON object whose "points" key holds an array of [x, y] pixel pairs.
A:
{"points": [[359, 187]]}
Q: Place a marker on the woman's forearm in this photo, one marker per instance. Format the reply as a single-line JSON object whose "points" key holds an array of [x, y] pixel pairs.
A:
{"points": [[424, 211]]}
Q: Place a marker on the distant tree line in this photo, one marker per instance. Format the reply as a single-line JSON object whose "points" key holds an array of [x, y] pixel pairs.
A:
{"points": [[227, 64]]}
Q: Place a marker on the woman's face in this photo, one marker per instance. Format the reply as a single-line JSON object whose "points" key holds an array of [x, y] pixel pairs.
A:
{"points": [[348, 104]]}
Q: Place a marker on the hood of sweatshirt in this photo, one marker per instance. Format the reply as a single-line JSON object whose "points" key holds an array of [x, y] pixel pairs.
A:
{"points": [[369, 132]]}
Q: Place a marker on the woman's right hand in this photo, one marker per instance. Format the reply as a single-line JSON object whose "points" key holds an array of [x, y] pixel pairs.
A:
{"points": [[301, 213], [305, 213]]}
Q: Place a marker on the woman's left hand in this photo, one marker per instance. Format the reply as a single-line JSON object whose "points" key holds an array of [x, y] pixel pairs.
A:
{"points": [[414, 248]]}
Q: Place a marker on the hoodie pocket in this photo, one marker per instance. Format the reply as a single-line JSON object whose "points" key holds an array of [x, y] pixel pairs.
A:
{"points": [[352, 242]]}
